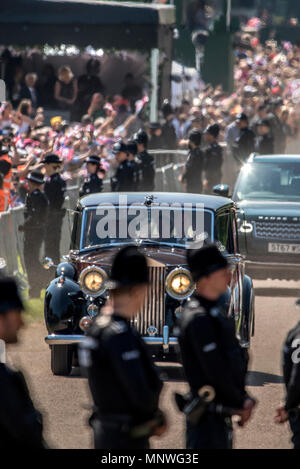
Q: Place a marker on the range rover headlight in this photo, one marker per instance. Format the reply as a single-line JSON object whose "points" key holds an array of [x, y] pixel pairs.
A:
{"points": [[92, 280], [179, 284]]}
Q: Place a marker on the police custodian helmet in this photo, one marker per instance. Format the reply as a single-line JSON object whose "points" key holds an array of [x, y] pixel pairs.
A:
{"points": [[129, 268], [195, 137], [205, 261], [141, 137], [9, 296]]}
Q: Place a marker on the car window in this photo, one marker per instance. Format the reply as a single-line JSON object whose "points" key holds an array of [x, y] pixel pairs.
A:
{"points": [[223, 231], [109, 225], [269, 181]]}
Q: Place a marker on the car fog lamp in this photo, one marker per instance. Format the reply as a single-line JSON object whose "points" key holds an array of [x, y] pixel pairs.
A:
{"points": [[92, 281], [85, 323], [179, 284]]}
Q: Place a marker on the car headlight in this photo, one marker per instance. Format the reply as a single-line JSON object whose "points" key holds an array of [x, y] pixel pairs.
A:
{"points": [[179, 284], [92, 280]]}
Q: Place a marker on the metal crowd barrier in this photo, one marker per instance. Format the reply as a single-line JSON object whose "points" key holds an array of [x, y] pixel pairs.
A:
{"points": [[11, 240]]}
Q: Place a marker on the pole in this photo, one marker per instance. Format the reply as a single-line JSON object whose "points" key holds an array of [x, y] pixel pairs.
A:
{"points": [[2, 352], [154, 84], [228, 15]]}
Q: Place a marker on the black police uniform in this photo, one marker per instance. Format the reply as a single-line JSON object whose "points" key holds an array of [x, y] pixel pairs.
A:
{"points": [[55, 189], [213, 160], [124, 178], [264, 144], [146, 163], [36, 216], [277, 129], [134, 164], [193, 171], [244, 145], [20, 423], [147, 171], [168, 136], [291, 375], [211, 355], [91, 185], [123, 382]]}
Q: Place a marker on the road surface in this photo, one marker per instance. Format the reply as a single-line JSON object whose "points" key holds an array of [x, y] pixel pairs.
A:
{"points": [[66, 403]]}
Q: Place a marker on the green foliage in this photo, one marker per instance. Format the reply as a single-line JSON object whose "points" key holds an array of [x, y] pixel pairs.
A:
{"points": [[34, 309]]}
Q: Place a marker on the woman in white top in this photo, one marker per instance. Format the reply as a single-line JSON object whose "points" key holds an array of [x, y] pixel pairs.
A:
{"points": [[24, 112], [7, 116]]}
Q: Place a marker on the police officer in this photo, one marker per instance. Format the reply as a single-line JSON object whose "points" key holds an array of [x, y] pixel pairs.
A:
{"points": [[192, 176], [123, 180], [264, 144], [123, 381], [36, 216], [244, 145], [211, 354], [290, 410], [55, 188], [156, 141], [92, 183], [20, 423], [132, 159], [213, 158], [147, 164]]}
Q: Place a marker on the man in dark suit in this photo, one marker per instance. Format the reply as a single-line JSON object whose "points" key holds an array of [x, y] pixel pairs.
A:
{"points": [[29, 90]]}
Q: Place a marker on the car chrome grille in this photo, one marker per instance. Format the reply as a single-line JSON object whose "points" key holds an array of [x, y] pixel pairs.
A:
{"points": [[280, 231], [153, 311]]}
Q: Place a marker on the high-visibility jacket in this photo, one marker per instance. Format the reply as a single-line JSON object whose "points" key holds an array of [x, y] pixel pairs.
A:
{"points": [[7, 180], [4, 200]]}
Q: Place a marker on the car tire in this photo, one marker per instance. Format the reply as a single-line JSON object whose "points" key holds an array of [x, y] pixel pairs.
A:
{"points": [[61, 360]]}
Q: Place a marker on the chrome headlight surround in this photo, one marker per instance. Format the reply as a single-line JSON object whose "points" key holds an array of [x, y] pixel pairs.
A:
{"points": [[98, 272], [171, 283]]}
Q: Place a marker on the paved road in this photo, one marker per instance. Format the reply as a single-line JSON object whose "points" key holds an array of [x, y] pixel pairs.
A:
{"points": [[65, 402]]}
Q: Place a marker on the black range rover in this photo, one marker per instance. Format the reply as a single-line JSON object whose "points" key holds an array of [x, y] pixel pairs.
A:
{"points": [[267, 193]]}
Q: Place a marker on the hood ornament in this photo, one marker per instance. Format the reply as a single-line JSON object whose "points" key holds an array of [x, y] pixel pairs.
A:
{"points": [[152, 331]]}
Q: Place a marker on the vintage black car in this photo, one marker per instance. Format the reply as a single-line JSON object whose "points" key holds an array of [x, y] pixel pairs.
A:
{"points": [[267, 193], [163, 226]]}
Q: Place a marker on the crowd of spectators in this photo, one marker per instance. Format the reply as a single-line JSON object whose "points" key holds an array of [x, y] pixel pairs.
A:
{"points": [[267, 87]]}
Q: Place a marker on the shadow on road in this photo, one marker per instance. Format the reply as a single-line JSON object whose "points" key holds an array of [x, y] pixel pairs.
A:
{"points": [[258, 378], [278, 292]]}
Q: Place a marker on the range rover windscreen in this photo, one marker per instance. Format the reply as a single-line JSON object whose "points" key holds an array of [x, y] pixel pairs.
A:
{"points": [[269, 181]]}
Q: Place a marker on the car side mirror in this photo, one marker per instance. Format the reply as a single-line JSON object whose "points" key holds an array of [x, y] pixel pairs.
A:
{"points": [[221, 190], [48, 263]]}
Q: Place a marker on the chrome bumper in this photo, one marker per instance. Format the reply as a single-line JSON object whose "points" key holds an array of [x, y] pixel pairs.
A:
{"points": [[271, 265], [63, 339]]}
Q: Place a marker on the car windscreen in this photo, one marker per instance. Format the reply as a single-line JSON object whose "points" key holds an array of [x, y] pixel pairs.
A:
{"points": [[178, 225], [269, 181]]}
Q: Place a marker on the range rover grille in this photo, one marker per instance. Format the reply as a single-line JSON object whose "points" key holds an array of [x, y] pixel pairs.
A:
{"points": [[280, 231], [153, 311]]}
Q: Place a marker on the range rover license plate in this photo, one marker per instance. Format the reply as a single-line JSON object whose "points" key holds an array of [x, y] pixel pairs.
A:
{"points": [[284, 248]]}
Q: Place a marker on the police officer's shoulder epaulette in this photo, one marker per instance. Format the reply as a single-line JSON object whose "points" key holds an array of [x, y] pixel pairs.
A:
{"points": [[118, 327], [103, 321], [193, 306]]}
